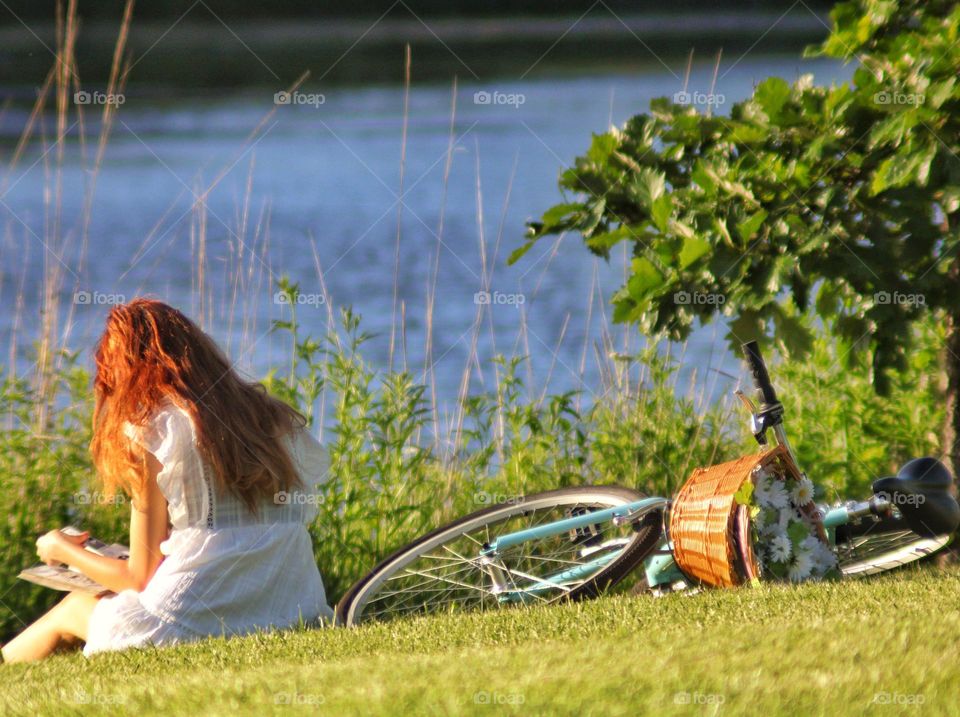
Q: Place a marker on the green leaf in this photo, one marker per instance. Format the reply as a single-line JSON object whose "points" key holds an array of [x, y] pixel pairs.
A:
{"points": [[827, 299], [749, 226], [797, 531], [924, 161], [593, 217], [661, 211], [838, 97], [744, 493], [602, 146], [748, 326], [558, 213], [720, 226], [772, 94], [704, 178], [893, 130], [648, 186], [950, 200], [940, 92], [779, 570], [743, 133], [790, 333], [623, 305], [681, 229], [693, 249], [645, 278], [519, 252], [603, 243], [903, 168]]}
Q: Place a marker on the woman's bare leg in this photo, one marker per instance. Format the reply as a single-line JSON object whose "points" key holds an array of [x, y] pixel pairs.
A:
{"points": [[64, 624]]}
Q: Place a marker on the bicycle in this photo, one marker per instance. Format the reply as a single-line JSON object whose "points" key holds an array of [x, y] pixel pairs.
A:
{"points": [[577, 543]]}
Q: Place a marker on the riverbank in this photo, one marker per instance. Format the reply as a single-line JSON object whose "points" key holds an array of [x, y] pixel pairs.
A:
{"points": [[200, 51]]}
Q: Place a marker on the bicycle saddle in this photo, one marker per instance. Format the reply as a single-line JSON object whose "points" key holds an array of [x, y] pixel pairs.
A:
{"points": [[920, 491]]}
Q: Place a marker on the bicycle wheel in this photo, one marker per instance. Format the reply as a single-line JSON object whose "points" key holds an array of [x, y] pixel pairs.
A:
{"points": [[444, 571], [874, 552]]}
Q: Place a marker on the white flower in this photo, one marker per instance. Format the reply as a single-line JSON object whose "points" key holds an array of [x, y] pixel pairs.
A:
{"points": [[761, 483], [824, 558], [780, 548], [784, 519], [778, 495], [775, 529], [801, 567], [771, 494], [802, 492], [770, 530], [760, 520]]}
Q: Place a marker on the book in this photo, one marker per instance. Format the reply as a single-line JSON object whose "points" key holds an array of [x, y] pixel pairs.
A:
{"points": [[67, 577]]}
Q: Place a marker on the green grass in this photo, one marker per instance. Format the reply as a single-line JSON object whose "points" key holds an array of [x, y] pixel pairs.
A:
{"points": [[880, 646]]}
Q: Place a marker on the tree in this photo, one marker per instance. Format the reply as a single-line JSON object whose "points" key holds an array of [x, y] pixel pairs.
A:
{"points": [[844, 200]]}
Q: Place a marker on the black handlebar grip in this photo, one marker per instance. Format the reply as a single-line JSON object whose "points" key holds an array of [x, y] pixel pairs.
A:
{"points": [[761, 379]]}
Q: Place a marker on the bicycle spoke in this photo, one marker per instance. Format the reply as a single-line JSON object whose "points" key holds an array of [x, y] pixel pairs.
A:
{"points": [[454, 574]]}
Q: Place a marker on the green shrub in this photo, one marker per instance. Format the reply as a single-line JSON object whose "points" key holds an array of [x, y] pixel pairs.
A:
{"points": [[844, 434], [45, 482]]}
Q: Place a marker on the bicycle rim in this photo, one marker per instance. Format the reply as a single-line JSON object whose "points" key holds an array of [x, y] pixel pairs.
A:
{"points": [[445, 571], [873, 553]]}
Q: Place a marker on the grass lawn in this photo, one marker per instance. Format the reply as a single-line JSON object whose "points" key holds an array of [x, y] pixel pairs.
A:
{"points": [[881, 646]]}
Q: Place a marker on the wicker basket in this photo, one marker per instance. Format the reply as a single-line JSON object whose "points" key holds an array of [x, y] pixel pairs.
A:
{"points": [[711, 531]]}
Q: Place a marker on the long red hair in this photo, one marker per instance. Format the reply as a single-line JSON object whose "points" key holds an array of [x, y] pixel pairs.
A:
{"points": [[151, 352]]}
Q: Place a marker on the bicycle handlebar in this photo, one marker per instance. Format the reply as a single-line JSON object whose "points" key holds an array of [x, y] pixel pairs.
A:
{"points": [[761, 379]]}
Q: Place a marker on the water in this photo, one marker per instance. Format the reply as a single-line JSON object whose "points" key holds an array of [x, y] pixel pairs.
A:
{"points": [[330, 174]]}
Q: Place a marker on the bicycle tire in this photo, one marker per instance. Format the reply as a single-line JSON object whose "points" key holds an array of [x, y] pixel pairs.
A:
{"points": [[891, 545], [645, 537]]}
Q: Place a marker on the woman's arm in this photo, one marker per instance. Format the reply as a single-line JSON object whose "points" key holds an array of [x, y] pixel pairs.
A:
{"points": [[148, 528]]}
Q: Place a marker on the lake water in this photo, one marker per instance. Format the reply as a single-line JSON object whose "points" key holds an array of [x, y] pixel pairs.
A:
{"points": [[329, 175]]}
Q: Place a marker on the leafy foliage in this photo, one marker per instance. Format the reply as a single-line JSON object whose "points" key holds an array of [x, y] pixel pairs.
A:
{"points": [[389, 483], [842, 199]]}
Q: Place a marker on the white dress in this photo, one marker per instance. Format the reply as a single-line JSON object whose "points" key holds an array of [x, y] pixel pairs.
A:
{"points": [[225, 572]]}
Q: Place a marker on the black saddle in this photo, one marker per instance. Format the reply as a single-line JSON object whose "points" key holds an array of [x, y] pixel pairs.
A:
{"points": [[921, 492]]}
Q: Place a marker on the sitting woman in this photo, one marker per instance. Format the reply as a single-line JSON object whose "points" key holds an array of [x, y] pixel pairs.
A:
{"points": [[222, 482]]}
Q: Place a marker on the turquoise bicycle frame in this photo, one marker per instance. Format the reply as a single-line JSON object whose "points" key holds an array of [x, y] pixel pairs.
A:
{"points": [[579, 521], [490, 551], [660, 567]]}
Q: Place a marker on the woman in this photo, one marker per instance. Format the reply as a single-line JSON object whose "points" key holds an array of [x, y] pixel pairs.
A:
{"points": [[221, 478]]}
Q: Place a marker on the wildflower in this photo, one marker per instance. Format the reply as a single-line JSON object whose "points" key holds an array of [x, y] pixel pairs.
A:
{"points": [[760, 520], [780, 548], [772, 494], [802, 492], [801, 567], [778, 495], [785, 517], [761, 485], [823, 557]]}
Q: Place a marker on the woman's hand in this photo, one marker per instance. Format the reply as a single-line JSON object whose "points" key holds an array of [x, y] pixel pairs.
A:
{"points": [[50, 546]]}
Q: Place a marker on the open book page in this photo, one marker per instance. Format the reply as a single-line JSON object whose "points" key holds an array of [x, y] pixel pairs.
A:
{"points": [[61, 578], [67, 578]]}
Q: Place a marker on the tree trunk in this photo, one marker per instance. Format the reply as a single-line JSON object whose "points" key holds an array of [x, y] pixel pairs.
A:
{"points": [[951, 428], [951, 432], [950, 450]]}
